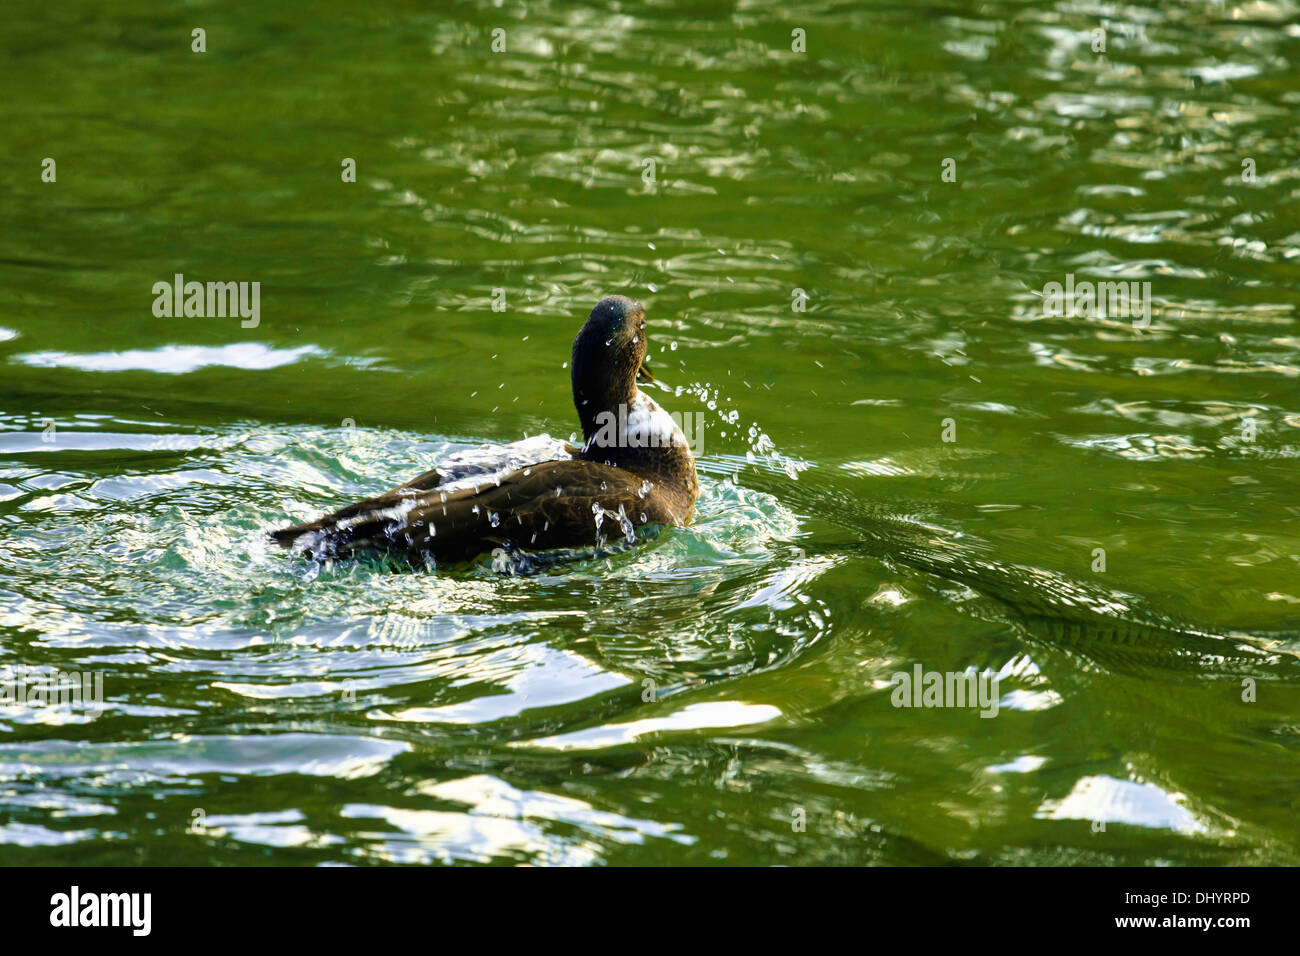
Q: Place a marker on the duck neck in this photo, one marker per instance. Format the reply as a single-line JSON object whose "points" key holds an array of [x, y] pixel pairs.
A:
{"points": [[639, 435], [605, 423]]}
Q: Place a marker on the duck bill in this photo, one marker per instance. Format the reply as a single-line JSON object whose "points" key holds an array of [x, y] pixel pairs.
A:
{"points": [[643, 375]]}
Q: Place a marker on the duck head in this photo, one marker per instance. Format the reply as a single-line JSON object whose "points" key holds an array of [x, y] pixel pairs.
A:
{"points": [[608, 359], [621, 426]]}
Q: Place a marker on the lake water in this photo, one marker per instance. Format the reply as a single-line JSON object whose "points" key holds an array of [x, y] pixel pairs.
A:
{"points": [[844, 253]]}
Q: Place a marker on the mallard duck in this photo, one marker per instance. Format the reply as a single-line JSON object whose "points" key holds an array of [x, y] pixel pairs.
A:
{"points": [[633, 471]]}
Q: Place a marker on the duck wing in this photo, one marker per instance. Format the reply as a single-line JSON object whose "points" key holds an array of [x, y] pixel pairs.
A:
{"points": [[553, 504], [473, 466]]}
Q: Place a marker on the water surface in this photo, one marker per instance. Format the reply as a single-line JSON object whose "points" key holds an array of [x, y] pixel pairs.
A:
{"points": [[722, 694]]}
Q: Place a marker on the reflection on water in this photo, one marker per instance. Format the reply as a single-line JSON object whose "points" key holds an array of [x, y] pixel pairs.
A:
{"points": [[173, 359], [1109, 529]]}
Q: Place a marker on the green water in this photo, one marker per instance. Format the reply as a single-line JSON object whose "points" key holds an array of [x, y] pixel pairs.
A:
{"points": [[258, 709]]}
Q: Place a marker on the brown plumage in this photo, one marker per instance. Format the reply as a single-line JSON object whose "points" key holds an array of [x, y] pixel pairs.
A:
{"points": [[634, 470]]}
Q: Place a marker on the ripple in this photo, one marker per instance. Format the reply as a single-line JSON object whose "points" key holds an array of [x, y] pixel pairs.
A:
{"points": [[710, 715], [321, 755], [174, 359], [1104, 799]]}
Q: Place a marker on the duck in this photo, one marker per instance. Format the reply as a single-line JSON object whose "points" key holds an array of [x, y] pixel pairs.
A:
{"points": [[633, 475]]}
